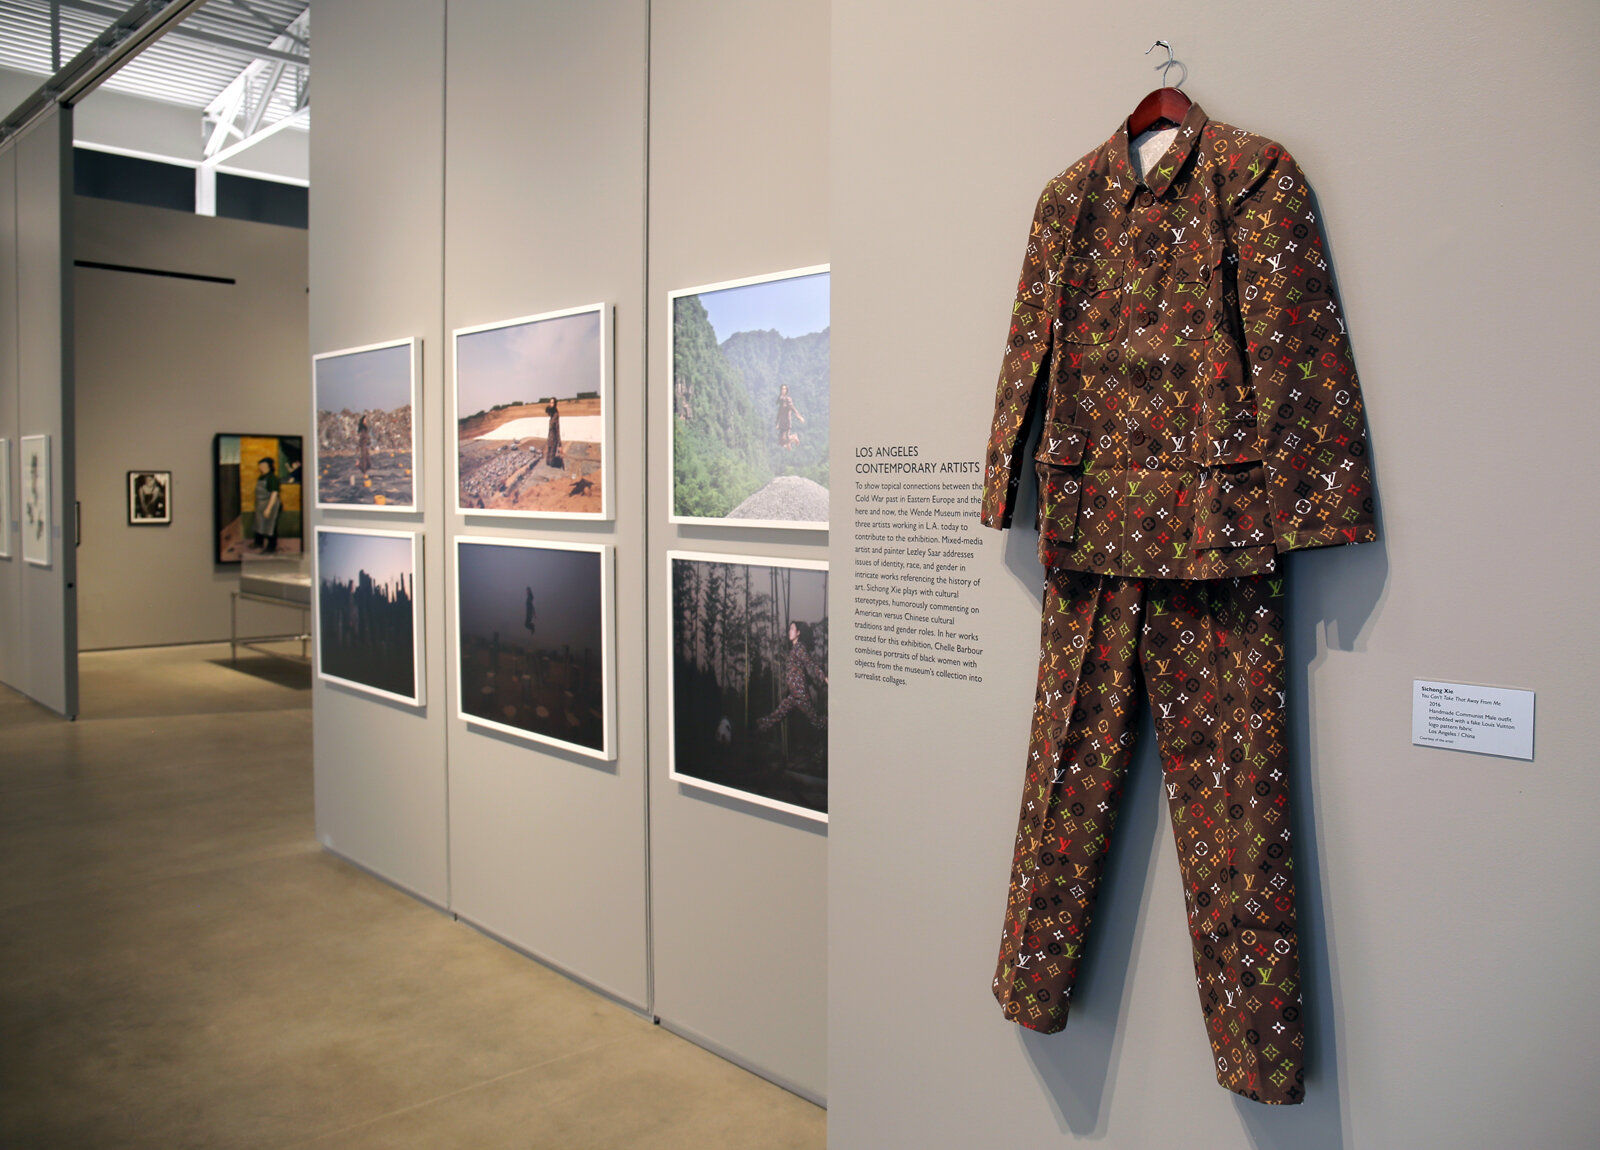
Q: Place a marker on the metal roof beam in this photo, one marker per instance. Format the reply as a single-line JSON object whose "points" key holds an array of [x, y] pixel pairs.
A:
{"points": [[128, 35], [243, 47]]}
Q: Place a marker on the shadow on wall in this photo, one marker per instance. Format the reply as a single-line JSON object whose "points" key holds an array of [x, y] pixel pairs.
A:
{"points": [[1334, 592]]}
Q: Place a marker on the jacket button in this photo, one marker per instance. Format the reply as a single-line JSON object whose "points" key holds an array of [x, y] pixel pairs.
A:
{"points": [[1146, 199]]}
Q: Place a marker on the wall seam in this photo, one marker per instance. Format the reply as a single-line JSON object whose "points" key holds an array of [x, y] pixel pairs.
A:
{"points": [[447, 521], [646, 512]]}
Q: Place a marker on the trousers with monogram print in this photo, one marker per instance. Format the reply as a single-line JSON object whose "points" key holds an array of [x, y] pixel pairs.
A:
{"points": [[1208, 658]]}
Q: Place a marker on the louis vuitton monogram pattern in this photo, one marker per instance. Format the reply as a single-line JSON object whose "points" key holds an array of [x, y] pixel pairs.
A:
{"points": [[1202, 412], [1209, 656]]}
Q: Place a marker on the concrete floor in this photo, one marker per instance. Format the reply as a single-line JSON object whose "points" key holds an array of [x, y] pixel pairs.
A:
{"points": [[181, 965]]}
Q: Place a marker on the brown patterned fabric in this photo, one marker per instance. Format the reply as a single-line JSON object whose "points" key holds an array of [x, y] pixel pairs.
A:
{"points": [[1210, 658], [1201, 415], [1202, 412]]}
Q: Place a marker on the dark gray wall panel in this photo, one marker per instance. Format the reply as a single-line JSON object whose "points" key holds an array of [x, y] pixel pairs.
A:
{"points": [[11, 662], [738, 187], [376, 268]]}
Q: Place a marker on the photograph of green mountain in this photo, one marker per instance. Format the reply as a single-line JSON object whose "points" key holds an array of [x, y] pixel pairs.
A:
{"points": [[750, 401]]}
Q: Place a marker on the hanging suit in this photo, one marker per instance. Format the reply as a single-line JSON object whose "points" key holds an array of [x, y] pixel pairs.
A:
{"points": [[1181, 335]]}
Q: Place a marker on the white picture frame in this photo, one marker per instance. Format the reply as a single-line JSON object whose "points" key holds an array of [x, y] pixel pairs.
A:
{"points": [[379, 680], [816, 422], [6, 520], [496, 356], [478, 586], [371, 373], [38, 519], [725, 731]]}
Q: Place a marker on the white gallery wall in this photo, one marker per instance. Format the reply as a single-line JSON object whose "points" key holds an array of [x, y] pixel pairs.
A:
{"points": [[38, 603], [511, 180], [1445, 897], [164, 363]]}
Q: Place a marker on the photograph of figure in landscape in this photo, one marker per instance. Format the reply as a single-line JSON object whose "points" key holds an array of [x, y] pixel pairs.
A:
{"points": [[257, 496], [750, 402], [532, 427], [749, 687], [533, 644], [366, 440], [369, 623]]}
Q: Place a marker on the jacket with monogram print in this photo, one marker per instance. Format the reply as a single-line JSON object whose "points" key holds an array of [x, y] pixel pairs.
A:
{"points": [[1201, 407]]}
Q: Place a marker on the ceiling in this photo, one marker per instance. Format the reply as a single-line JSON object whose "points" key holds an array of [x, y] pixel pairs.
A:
{"points": [[189, 66]]}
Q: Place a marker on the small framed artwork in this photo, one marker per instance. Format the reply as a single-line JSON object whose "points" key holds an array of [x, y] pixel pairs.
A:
{"points": [[257, 484], [149, 498], [364, 452], [5, 499], [748, 379], [533, 641], [532, 398], [747, 700], [369, 612], [38, 524]]}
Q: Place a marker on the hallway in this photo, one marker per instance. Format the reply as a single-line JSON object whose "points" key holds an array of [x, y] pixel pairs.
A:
{"points": [[184, 966]]}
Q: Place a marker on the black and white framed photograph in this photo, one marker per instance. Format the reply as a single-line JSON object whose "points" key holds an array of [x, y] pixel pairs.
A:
{"points": [[368, 608], [748, 400], [533, 641], [5, 499], [532, 398], [365, 450], [748, 695], [37, 521], [149, 498]]}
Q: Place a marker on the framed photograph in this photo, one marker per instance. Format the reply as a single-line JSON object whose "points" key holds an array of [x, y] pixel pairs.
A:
{"points": [[257, 484], [532, 398], [365, 453], [748, 372], [748, 696], [37, 523], [149, 498], [5, 499], [369, 612], [533, 641]]}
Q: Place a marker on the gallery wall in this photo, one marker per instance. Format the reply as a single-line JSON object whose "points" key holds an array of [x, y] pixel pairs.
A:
{"points": [[164, 364], [431, 221], [738, 187], [377, 266], [1443, 931], [38, 604]]}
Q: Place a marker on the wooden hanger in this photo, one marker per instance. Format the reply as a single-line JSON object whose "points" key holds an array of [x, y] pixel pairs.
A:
{"points": [[1166, 103]]}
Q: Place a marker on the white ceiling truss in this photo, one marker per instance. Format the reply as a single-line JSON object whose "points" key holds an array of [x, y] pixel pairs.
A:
{"points": [[239, 116]]}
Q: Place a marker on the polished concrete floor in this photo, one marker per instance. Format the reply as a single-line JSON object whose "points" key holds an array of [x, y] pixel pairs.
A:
{"points": [[182, 966]]}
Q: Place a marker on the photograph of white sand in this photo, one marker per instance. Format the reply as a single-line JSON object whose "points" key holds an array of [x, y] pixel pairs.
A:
{"points": [[530, 416], [750, 401], [531, 635], [367, 611], [365, 443]]}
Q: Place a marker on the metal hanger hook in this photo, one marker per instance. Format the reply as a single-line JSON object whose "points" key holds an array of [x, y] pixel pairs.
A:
{"points": [[1169, 63]]}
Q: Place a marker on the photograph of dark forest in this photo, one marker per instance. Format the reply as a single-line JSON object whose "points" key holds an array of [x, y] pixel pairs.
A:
{"points": [[367, 611], [532, 641], [750, 679], [750, 401], [365, 443]]}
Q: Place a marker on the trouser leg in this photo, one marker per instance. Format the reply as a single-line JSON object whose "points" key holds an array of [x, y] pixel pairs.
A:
{"points": [[1084, 711], [1213, 661]]}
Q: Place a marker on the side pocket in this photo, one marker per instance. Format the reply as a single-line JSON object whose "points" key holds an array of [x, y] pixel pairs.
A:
{"points": [[1058, 460], [1233, 508]]}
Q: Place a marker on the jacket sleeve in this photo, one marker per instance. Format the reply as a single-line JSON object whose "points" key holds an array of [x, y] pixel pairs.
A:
{"points": [[1312, 424], [1026, 359]]}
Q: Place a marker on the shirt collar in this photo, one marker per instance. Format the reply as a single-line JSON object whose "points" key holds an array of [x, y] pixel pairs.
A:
{"points": [[1166, 169]]}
